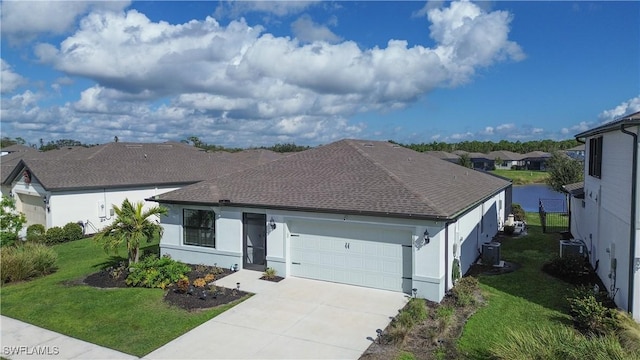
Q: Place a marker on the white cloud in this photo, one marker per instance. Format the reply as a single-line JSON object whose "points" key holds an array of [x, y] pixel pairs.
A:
{"points": [[582, 126], [537, 131], [487, 131], [505, 127], [461, 136], [307, 31], [10, 79], [625, 108], [23, 20], [218, 79]]}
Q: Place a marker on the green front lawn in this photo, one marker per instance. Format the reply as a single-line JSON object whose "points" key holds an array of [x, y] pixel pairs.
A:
{"points": [[523, 177], [525, 299], [132, 320]]}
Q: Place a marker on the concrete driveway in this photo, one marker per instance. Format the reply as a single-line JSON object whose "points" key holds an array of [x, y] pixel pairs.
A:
{"points": [[293, 319]]}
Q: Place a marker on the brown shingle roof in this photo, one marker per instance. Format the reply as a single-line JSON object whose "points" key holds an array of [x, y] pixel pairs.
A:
{"points": [[352, 176], [128, 164]]}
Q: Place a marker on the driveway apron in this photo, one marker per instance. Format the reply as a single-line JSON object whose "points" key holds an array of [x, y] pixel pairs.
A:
{"points": [[293, 319]]}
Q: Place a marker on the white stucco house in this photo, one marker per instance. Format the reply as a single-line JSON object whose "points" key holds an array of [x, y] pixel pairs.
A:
{"points": [[358, 212], [605, 208], [82, 185]]}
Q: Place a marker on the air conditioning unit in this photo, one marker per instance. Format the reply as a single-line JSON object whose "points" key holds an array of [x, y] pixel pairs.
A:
{"points": [[491, 253], [572, 248]]}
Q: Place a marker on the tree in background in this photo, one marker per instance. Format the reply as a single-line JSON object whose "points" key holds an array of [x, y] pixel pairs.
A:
{"points": [[132, 226], [11, 221], [465, 161], [7, 141], [563, 170]]}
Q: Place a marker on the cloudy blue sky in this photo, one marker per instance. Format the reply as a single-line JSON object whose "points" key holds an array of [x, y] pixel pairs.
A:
{"points": [[265, 72]]}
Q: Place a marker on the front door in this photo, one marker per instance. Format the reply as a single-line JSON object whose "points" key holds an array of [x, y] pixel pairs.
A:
{"points": [[255, 241]]}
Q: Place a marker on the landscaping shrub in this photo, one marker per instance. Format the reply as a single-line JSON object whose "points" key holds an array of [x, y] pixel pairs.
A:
{"points": [[26, 261], [509, 229], [464, 291], [11, 221], [558, 343], [590, 315], [414, 312], [55, 235], [72, 231], [417, 310], [445, 315], [153, 272], [36, 233], [573, 269], [269, 273], [518, 212]]}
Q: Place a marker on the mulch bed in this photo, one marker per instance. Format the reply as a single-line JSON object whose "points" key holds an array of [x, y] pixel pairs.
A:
{"points": [[272, 279], [429, 337], [115, 277]]}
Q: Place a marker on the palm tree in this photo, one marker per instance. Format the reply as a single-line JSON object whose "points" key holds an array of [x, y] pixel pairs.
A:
{"points": [[131, 226]]}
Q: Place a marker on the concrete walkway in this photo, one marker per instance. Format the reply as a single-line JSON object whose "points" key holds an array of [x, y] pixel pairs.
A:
{"points": [[293, 319], [24, 341]]}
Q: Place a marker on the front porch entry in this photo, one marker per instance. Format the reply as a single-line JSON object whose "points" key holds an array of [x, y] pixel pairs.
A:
{"points": [[254, 241]]}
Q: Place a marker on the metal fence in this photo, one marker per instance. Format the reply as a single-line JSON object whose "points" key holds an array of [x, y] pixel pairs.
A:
{"points": [[554, 216]]}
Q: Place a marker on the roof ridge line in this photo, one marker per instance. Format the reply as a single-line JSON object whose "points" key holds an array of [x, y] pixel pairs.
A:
{"points": [[99, 151], [397, 179]]}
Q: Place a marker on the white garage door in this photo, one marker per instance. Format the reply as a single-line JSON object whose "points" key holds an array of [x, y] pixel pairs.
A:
{"points": [[33, 209], [357, 254]]}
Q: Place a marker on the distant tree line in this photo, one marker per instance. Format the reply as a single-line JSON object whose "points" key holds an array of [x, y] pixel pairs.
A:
{"points": [[279, 148], [51, 145], [549, 146]]}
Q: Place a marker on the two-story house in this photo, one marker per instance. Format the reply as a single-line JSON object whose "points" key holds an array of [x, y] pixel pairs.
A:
{"points": [[605, 211]]}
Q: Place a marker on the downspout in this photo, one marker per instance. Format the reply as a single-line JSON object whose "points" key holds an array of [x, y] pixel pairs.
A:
{"points": [[446, 257], [446, 254], [632, 236]]}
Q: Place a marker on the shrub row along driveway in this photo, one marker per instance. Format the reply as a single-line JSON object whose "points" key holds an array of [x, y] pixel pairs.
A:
{"points": [[293, 319]]}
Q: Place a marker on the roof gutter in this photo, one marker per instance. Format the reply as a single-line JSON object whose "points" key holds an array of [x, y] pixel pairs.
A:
{"points": [[632, 235], [305, 209]]}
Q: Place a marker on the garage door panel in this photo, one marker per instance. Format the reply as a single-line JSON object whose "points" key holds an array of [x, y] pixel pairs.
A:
{"points": [[351, 253]]}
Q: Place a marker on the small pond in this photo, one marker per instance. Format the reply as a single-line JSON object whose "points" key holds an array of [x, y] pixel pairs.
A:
{"points": [[529, 195]]}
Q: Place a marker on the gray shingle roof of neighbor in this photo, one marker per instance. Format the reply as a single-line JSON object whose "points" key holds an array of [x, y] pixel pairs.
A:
{"points": [[17, 148], [129, 165], [443, 155], [504, 155], [350, 176], [536, 155], [630, 119]]}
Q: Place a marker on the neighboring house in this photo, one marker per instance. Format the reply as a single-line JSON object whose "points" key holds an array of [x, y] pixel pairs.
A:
{"points": [[479, 161], [535, 160], [82, 184], [576, 153], [505, 159], [15, 148], [358, 212], [605, 210]]}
